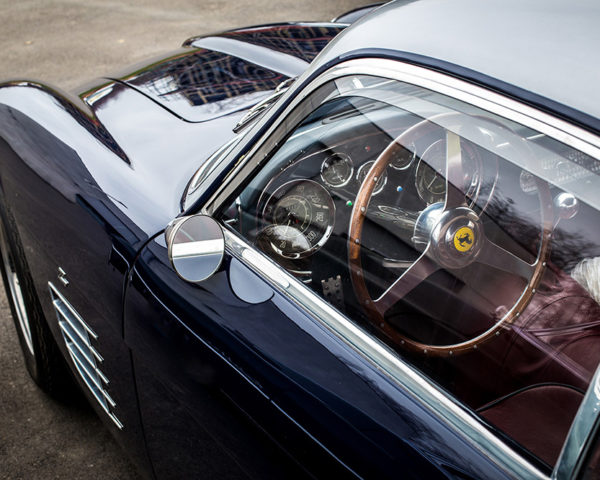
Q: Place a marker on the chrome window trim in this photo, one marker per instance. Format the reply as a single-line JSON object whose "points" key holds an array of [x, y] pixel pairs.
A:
{"points": [[462, 421], [493, 102]]}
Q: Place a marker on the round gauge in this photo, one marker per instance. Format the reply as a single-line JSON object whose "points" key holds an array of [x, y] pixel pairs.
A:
{"points": [[430, 177], [362, 173], [301, 215], [403, 157], [337, 170]]}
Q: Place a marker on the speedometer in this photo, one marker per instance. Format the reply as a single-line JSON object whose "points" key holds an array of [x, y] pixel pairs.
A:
{"points": [[300, 216]]}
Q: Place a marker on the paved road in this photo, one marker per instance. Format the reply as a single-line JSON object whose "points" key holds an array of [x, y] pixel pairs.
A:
{"points": [[65, 43]]}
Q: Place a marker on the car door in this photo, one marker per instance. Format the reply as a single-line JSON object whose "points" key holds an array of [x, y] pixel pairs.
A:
{"points": [[226, 367]]}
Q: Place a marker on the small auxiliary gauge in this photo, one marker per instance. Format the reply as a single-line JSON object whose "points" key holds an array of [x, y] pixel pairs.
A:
{"points": [[362, 173], [337, 170], [403, 157]]}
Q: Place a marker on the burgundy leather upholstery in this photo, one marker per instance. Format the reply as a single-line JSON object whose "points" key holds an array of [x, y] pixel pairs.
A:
{"points": [[538, 418]]}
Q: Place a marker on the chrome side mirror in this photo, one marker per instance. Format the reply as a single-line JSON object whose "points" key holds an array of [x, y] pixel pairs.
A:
{"points": [[195, 247]]}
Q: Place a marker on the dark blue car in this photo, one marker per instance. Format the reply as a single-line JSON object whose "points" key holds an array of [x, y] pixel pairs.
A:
{"points": [[322, 249]]}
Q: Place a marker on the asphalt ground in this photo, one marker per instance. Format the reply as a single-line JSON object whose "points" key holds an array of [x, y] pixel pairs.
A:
{"points": [[65, 43]]}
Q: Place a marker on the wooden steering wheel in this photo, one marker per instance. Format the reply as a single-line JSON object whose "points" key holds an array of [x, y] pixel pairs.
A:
{"points": [[455, 238]]}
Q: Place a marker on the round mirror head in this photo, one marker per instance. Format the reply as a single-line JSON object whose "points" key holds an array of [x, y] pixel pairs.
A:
{"points": [[196, 247]]}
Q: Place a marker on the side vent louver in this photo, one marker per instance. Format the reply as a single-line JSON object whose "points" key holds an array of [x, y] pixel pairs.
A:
{"points": [[76, 334]]}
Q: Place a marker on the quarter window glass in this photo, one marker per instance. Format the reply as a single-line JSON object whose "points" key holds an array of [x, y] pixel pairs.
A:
{"points": [[465, 241]]}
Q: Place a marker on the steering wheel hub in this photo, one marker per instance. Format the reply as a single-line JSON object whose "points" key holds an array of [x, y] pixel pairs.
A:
{"points": [[452, 238]]}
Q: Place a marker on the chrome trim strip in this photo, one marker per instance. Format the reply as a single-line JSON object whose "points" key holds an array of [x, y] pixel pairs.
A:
{"points": [[90, 375], [581, 433], [72, 310], [101, 402], [66, 329], [461, 420], [60, 308], [76, 337]]}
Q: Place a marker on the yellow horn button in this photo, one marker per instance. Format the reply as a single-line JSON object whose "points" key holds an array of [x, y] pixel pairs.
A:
{"points": [[464, 239]]}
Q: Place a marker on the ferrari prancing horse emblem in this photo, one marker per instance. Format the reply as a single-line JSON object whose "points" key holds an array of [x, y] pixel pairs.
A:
{"points": [[463, 239]]}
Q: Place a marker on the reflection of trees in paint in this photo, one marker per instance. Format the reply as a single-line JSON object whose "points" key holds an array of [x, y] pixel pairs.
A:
{"points": [[204, 77], [297, 40]]}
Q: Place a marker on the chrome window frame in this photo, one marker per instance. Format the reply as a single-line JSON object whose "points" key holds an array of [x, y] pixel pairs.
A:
{"points": [[462, 421]]}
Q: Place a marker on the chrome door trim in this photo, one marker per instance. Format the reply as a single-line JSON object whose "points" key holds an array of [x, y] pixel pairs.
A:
{"points": [[462, 422]]}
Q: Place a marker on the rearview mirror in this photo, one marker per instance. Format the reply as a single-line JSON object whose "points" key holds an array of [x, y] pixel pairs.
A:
{"points": [[195, 247]]}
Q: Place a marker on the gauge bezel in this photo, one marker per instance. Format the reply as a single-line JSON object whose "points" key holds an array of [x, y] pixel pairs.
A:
{"points": [[472, 192], [383, 179], [347, 159], [413, 151], [327, 231]]}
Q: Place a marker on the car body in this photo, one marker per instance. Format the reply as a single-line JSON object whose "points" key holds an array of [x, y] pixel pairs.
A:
{"points": [[314, 249]]}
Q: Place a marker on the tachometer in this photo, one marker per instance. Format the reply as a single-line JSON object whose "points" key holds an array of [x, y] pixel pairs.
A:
{"points": [[300, 215]]}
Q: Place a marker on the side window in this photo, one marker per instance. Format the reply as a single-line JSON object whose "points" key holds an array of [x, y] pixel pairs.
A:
{"points": [[465, 241]]}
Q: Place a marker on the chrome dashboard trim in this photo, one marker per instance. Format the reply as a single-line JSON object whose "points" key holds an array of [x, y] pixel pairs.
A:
{"points": [[462, 421], [330, 225]]}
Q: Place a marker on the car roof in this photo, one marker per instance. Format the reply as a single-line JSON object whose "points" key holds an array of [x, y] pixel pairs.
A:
{"points": [[549, 48]]}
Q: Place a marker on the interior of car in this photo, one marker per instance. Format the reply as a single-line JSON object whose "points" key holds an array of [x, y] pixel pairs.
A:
{"points": [[465, 241]]}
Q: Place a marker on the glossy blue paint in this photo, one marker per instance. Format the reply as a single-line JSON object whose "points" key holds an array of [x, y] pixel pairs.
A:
{"points": [[246, 285], [215, 76], [65, 220]]}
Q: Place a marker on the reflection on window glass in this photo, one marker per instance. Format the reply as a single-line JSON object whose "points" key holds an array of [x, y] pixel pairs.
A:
{"points": [[465, 241]]}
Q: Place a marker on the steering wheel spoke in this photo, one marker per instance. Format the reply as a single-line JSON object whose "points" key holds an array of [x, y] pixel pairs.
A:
{"points": [[497, 257], [455, 176], [406, 282]]}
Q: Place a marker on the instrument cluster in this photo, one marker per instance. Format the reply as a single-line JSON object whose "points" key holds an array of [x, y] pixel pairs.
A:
{"points": [[312, 195]]}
